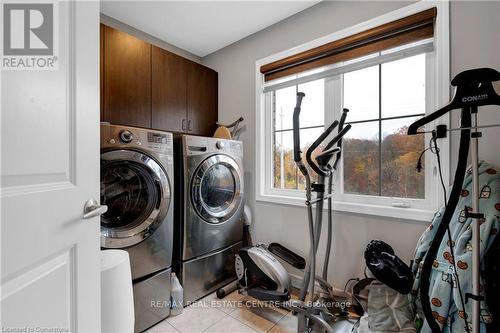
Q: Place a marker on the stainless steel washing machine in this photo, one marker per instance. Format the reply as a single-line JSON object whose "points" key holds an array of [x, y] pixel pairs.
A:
{"points": [[137, 185], [208, 224]]}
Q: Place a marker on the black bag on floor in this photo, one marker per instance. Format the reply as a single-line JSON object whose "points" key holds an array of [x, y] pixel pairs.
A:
{"points": [[387, 267]]}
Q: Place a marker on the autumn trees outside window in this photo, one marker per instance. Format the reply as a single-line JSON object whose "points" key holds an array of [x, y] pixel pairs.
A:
{"points": [[379, 158]]}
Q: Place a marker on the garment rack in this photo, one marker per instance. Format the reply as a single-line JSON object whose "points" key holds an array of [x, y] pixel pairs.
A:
{"points": [[473, 89]]}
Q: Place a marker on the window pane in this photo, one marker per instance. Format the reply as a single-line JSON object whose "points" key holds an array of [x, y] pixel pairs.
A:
{"points": [[284, 104], [313, 105], [403, 87], [312, 111], [284, 167], [285, 173], [400, 153], [361, 94], [361, 159]]}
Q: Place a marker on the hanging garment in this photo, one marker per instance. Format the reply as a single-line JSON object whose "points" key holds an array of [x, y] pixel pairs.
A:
{"points": [[444, 294]]}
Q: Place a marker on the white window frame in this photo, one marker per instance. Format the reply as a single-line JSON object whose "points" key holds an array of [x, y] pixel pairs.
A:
{"points": [[437, 94]]}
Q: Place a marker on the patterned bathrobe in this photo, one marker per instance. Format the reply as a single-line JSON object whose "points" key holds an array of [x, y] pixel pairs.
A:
{"points": [[443, 290]]}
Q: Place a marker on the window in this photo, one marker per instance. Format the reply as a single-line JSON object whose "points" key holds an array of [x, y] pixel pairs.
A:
{"points": [[379, 158], [385, 92]]}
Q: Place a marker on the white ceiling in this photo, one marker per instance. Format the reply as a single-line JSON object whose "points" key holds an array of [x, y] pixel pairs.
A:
{"points": [[202, 27]]}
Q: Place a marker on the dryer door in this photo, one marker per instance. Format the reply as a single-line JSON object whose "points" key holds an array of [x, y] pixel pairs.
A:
{"points": [[217, 188], [137, 192]]}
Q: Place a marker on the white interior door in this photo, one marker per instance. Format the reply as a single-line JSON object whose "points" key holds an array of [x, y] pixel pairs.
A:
{"points": [[50, 263]]}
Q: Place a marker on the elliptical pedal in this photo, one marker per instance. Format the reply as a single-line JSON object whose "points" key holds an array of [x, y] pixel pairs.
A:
{"points": [[287, 255]]}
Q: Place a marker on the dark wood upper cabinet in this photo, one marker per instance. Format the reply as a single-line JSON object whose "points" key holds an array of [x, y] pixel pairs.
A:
{"points": [[169, 94], [127, 79], [143, 85], [202, 100]]}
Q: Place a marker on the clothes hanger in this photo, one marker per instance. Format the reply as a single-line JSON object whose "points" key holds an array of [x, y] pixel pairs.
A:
{"points": [[474, 88]]}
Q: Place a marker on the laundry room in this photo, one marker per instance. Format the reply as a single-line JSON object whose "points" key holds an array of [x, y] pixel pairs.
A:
{"points": [[250, 166]]}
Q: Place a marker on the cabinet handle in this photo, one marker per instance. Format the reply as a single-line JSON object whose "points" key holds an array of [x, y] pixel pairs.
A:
{"points": [[189, 125], [183, 124]]}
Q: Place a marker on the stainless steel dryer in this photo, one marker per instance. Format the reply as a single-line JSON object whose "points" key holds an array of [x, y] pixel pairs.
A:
{"points": [[137, 186], [208, 226]]}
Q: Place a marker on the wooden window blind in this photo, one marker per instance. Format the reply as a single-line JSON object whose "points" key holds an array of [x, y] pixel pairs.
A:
{"points": [[406, 30]]}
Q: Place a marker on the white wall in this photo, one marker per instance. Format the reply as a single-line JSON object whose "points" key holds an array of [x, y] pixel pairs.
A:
{"points": [[473, 25], [475, 42], [111, 22]]}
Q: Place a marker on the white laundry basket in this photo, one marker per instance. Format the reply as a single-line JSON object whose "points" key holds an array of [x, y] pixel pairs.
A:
{"points": [[117, 299]]}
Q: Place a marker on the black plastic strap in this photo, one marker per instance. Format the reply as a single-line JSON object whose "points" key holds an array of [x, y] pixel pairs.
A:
{"points": [[474, 215], [476, 135], [441, 131], [468, 214], [477, 298], [319, 188]]}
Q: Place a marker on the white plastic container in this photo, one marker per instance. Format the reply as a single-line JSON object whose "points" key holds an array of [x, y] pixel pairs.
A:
{"points": [[117, 300], [176, 295]]}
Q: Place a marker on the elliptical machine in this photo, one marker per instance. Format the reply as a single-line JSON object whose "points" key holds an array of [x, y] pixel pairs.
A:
{"points": [[262, 276]]}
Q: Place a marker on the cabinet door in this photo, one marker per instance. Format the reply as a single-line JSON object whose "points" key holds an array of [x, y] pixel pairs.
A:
{"points": [[169, 95], [202, 100], [127, 79]]}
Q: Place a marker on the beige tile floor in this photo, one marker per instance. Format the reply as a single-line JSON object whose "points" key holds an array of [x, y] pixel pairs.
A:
{"points": [[235, 314]]}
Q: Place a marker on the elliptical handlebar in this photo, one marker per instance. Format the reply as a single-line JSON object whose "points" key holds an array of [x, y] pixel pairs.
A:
{"points": [[336, 140], [296, 128], [315, 145], [338, 137], [339, 144], [325, 156], [343, 117], [342, 130]]}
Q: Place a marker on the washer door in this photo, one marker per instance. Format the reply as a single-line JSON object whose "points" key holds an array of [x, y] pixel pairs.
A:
{"points": [[216, 188], [137, 192]]}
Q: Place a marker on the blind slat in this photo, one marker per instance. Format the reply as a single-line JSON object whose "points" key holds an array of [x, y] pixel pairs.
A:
{"points": [[409, 29]]}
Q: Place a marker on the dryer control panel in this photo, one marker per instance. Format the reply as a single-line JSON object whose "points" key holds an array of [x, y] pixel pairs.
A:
{"points": [[196, 145]]}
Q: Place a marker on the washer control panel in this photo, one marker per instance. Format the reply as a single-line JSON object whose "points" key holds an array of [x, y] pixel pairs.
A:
{"points": [[123, 136], [126, 136]]}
